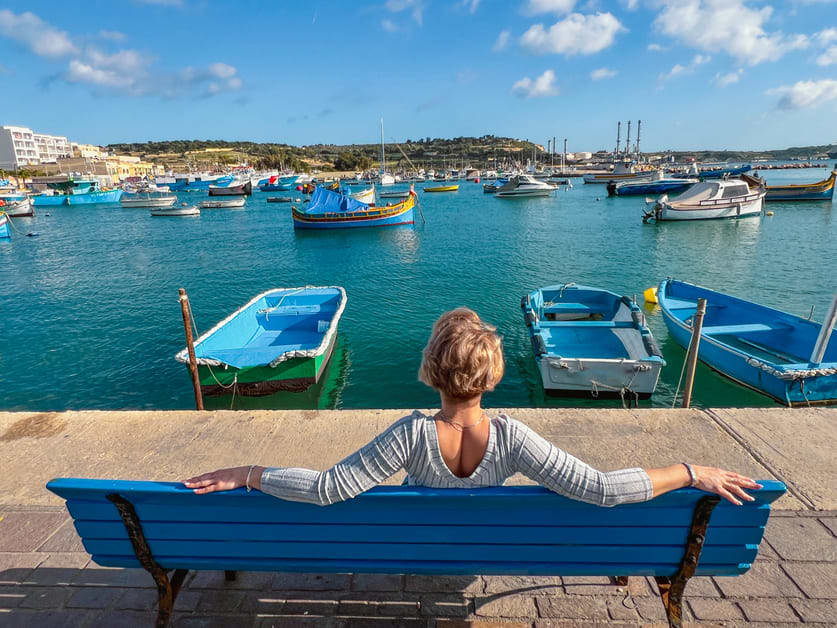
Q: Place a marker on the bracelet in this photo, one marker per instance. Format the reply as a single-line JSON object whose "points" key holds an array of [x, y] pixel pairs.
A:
{"points": [[692, 479], [247, 481]]}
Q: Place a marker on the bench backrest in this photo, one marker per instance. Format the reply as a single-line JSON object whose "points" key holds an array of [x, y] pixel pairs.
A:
{"points": [[503, 530]]}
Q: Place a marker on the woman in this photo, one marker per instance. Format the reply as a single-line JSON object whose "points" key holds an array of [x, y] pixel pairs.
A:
{"points": [[460, 447]]}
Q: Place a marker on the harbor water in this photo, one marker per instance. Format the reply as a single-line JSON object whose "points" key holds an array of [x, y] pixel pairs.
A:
{"points": [[89, 314]]}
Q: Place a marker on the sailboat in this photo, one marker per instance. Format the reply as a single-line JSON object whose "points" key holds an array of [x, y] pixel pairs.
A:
{"points": [[385, 177]]}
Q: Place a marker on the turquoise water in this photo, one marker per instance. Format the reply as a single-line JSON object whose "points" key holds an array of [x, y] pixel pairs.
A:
{"points": [[89, 316]]}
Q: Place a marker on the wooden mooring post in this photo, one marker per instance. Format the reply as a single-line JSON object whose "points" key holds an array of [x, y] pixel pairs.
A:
{"points": [[692, 355], [190, 347]]}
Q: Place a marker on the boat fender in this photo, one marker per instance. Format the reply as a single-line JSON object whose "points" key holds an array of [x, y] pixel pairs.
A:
{"points": [[651, 345], [530, 318], [538, 345]]}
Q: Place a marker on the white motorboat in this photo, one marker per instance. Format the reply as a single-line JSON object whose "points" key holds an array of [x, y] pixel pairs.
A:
{"points": [[148, 200], [17, 206], [366, 196], [177, 210], [238, 187], [722, 198], [395, 194], [225, 203], [523, 185]]}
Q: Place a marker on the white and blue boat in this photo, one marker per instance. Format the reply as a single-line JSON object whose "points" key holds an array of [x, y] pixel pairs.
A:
{"points": [[655, 184], [277, 184], [780, 355], [591, 342], [76, 192]]}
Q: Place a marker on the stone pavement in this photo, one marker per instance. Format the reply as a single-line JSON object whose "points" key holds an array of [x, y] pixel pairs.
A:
{"points": [[46, 577]]}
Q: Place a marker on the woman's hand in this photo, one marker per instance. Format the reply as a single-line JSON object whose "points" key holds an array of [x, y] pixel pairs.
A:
{"points": [[225, 479], [727, 484]]}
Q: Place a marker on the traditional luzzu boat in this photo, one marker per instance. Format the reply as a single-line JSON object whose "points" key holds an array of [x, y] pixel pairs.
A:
{"points": [[723, 198], [84, 192], [331, 210], [591, 342], [819, 191], [281, 339], [5, 232], [775, 353]]}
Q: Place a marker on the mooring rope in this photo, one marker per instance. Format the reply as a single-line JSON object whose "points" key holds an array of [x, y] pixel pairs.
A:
{"points": [[793, 374]]}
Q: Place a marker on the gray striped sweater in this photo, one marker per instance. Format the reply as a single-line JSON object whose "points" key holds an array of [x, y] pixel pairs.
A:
{"points": [[411, 443]]}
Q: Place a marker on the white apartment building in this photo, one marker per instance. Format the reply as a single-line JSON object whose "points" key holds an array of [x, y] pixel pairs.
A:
{"points": [[17, 148], [51, 147]]}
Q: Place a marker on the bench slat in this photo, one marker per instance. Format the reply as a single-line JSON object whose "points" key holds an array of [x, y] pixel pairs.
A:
{"points": [[470, 567], [658, 535]]}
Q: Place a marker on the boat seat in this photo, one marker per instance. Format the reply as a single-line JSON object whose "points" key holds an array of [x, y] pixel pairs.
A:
{"points": [[587, 324], [569, 308], [732, 330]]}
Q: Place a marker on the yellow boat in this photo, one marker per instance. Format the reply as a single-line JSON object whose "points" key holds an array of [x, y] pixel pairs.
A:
{"points": [[443, 188]]}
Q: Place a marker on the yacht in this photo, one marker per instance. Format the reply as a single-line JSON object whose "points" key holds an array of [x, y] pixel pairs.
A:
{"points": [[524, 185], [724, 198]]}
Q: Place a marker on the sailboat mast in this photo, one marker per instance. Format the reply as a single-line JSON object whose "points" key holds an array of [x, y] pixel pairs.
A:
{"points": [[638, 129], [628, 141], [383, 153], [618, 140]]}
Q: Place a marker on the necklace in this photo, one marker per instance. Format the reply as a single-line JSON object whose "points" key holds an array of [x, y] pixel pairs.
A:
{"points": [[459, 426]]}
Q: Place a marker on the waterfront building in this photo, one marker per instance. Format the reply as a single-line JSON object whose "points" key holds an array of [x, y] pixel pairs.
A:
{"points": [[88, 151], [51, 147], [17, 148], [123, 166]]}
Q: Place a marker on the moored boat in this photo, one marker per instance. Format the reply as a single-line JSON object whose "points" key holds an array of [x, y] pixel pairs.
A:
{"points": [[176, 210], [591, 342], [365, 196], [721, 198], [281, 340], [442, 188], [331, 210], [277, 183], [225, 203], [655, 184], [720, 173], [523, 185], [395, 194], [148, 200], [819, 191], [622, 171], [493, 186], [5, 232], [72, 192], [233, 188], [783, 356], [17, 206]]}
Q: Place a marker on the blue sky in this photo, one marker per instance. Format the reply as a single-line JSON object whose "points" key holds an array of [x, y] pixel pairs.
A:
{"points": [[699, 73]]}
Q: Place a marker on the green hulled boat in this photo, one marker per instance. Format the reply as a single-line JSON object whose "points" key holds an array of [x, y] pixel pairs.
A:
{"points": [[281, 340]]}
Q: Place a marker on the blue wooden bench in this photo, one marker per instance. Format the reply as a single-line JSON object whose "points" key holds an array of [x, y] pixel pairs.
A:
{"points": [[498, 531]]}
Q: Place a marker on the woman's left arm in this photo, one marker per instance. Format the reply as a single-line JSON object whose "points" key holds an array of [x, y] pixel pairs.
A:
{"points": [[727, 484]]}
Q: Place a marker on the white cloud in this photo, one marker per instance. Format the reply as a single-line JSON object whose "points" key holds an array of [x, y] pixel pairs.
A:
{"points": [[112, 35], [31, 31], [544, 85], [222, 70], [470, 5], [655, 48], [575, 34], [829, 57], [388, 25], [825, 37], [631, 4], [80, 72], [728, 78], [502, 41], [415, 8], [726, 25], [681, 70], [805, 94], [559, 7], [602, 73]]}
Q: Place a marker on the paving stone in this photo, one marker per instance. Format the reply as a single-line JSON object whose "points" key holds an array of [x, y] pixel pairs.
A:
{"points": [[262, 603], [65, 539], [700, 586], [398, 606], [593, 585], [11, 596], [380, 622], [354, 608], [801, 538], [650, 609], [445, 605], [137, 600], [126, 619], [59, 568], [764, 579], [815, 579], [65, 618], [213, 621], [622, 610], [298, 621], [714, 609], [186, 601], [830, 523], [311, 607], [444, 584], [25, 531], [816, 610], [768, 610], [310, 582], [377, 582], [16, 568], [537, 585], [45, 597], [220, 601], [563, 623], [481, 623], [505, 606], [572, 607], [94, 597], [94, 575], [252, 580]]}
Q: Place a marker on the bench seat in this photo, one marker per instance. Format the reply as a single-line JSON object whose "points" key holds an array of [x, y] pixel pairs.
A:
{"points": [[734, 330], [569, 308], [587, 324]]}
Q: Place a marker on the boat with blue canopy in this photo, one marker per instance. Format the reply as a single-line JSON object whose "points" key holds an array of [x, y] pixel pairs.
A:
{"points": [[786, 357], [280, 340], [76, 192], [591, 342], [332, 210], [818, 191]]}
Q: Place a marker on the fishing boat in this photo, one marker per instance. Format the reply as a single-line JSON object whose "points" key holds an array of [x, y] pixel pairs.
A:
{"points": [[523, 185], [622, 171], [277, 183], [233, 188], [443, 188], [5, 232], [148, 200], [786, 357], [365, 196], [281, 340], [17, 205], [201, 183], [331, 210], [656, 183], [722, 198], [402, 194], [177, 210], [819, 191], [76, 192], [591, 342], [223, 203], [720, 173]]}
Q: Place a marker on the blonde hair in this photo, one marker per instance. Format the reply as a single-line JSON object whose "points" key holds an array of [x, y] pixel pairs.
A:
{"points": [[464, 355]]}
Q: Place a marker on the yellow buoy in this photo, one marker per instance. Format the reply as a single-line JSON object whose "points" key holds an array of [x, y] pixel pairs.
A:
{"points": [[769, 213], [650, 295]]}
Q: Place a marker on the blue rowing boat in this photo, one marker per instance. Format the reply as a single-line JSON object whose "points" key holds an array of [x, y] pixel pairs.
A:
{"points": [[772, 352], [720, 173], [591, 342], [332, 210], [655, 184]]}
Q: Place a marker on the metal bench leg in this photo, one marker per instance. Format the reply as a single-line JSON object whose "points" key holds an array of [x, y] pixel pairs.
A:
{"points": [[167, 589], [672, 588], [230, 576]]}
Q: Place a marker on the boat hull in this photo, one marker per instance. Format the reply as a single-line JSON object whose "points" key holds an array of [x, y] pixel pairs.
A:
{"points": [[729, 359], [5, 232], [94, 198], [175, 211], [231, 203], [18, 208], [403, 218], [161, 201], [444, 188], [523, 194], [733, 210], [275, 187], [42, 200], [819, 191], [245, 189], [638, 189]]}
